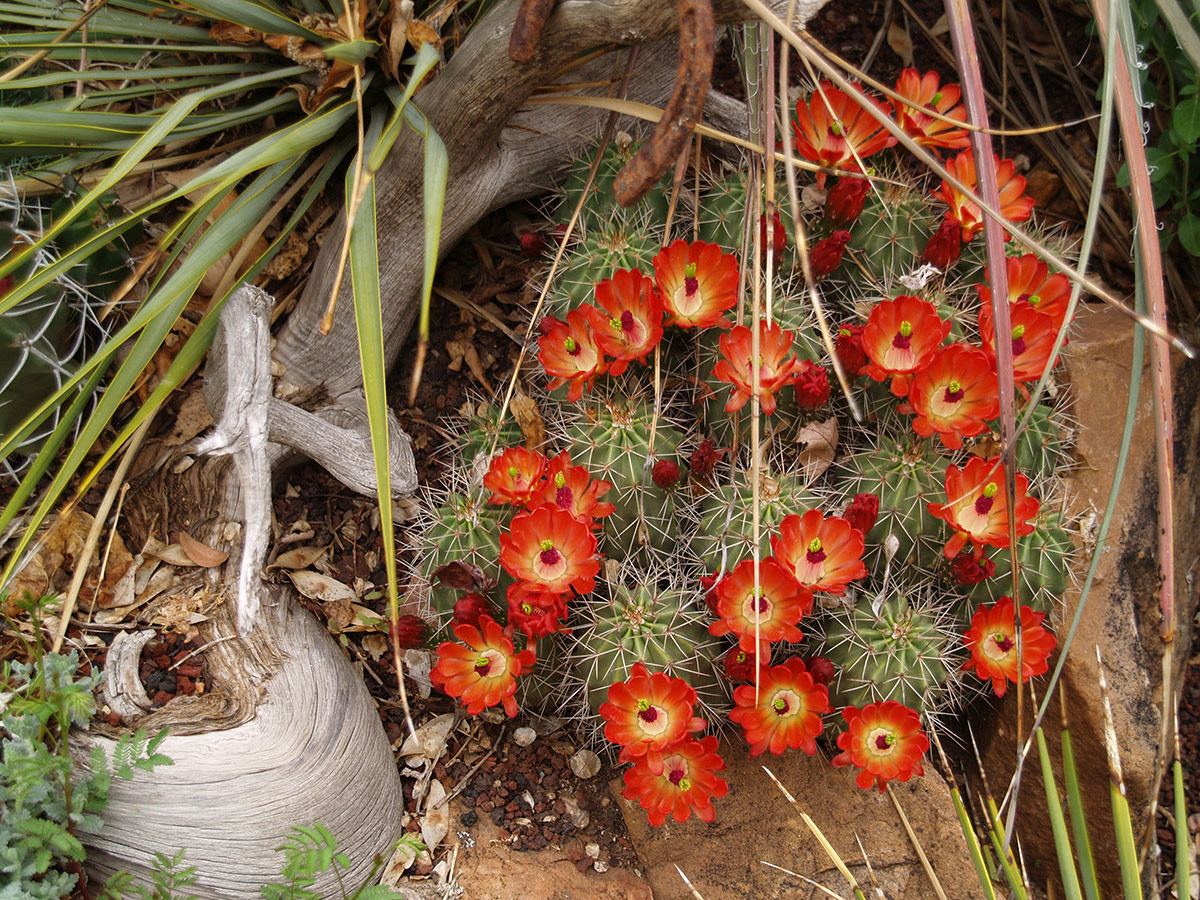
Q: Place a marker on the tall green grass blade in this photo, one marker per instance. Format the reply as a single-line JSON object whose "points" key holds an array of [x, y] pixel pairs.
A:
{"points": [[1006, 861], [1131, 881], [972, 839], [1183, 865], [1058, 824], [437, 169], [1079, 826]]}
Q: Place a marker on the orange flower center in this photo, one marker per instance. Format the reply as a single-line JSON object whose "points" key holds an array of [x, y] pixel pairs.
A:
{"points": [[756, 609], [652, 719]]}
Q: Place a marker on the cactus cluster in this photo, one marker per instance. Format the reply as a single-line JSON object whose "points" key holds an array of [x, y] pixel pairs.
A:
{"points": [[883, 541]]}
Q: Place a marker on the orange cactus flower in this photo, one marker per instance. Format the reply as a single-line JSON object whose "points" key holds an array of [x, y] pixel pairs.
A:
{"points": [[954, 395], [925, 93], [885, 740], [775, 367], [482, 670], [572, 488], [992, 640], [570, 353], [778, 607], [686, 783], [833, 129], [1033, 335], [535, 611], [629, 323], [823, 553], [1030, 284], [515, 476], [900, 338], [1014, 205], [647, 714], [551, 548], [784, 712], [739, 665], [697, 282], [977, 509]]}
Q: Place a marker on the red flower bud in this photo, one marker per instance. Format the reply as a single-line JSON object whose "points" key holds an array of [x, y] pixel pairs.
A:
{"points": [[820, 668], [410, 632], [862, 512], [967, 570], [739, 665], [945, 246], [778, 239], [547, 325], [812, 387], [849, 348], [845, 202], [470, 607], [533, 244], [708, 582], [665, 474], [704, 460], [827, 254]]}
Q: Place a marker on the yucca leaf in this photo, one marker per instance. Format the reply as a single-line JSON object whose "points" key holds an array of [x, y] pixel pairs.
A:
{"points": [[352, 52], [973, 847], [257, 14], [437, 169], [1183, 865], [1058, 824], [1079, 826]]}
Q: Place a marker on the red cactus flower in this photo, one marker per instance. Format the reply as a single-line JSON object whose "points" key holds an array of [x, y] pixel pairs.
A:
{"points": [[708, 583], [515, 476], [775, 366], [739, 665], [533, 244], [885, 740], [410, 631], [551, 548], [697, 283], [1014, 205], [992, 640], [945, 247], [629, 324], [966, 570], [862, 512], [848, 346], [777, 608], [833, 129], [646, 714], [845, 201], [812, 385], [470, 607], [823, 553], [925, 93], [573, 489], [569, 353], [901, 337], [783, 711], [976, 507], [1033, 335], [665, 474], [535, 611], [482, 670], [703, 461], [686, 783], [826, 254], [820, 668], [777, 242], [1030, 284], [954, 395]]}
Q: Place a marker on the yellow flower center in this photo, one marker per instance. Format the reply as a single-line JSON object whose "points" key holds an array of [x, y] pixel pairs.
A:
{"points": [[560, 480], [547, 545], [906, 328], [991, 489]]}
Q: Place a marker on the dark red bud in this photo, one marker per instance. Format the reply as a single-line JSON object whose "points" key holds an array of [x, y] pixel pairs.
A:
{"points": [[862, 512], [820, 668], [665, 474], [533, 244], [409, 632], [470, 607]]}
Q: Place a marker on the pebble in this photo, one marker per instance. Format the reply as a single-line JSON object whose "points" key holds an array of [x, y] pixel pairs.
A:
{"points": [[523, 737], [585, 764]]}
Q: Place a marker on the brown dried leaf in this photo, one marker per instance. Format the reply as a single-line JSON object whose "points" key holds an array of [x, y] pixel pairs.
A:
{"points": [[525, 412], [201, 554], [419, 33], [393, 28], [59, 554], [900, 41], [232, 33], [298, 557], [375, 644], [173, 554], [463, 576], [820, 440], [316, 586]]}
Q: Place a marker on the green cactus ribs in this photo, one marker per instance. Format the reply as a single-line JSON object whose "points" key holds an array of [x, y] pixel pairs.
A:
{"points": [[463, 528]]}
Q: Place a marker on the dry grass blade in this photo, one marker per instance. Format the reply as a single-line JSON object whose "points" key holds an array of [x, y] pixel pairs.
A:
{"points": [[691, 887], [916, 842], [820, 887]]}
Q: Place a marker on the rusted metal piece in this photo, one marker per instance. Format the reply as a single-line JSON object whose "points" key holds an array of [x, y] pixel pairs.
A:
{"points": [[531, 18], [697, 44]]}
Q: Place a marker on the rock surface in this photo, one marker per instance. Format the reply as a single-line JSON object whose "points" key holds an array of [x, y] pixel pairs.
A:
{"points": [[489, 869], [1122, 614], [756, 825]]}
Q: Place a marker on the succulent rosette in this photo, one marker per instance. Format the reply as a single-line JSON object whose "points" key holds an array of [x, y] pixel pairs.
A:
{"points": [[648, 713], [884, 740], [686, 782], [774, 610], [697, 282], [550, 547], [482, 668], [901, 337], [784, 711], [775, 365], [992, 640], [822, 553], [976, 507]]}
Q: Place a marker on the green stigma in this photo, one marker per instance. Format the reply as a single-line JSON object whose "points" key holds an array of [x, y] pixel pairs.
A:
{"points": [[779, 704], [570, 345], [814, 545], [905, 328], [1018, 332], [547, 545], [936, 98], [559, 480], [954, 387], [689, 271], [513, 472], [643, 705], [991, 489]]}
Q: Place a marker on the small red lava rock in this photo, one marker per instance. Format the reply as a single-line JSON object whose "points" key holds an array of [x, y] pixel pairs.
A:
{"points": [[160, 697], [113, 719], [190, 670], [185, 685]]}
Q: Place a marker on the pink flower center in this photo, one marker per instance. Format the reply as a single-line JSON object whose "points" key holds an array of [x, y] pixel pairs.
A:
{"points": [[627, 321], [1018, 340], [564, 497], [780, 706], [677, 778], [815, 554], [550, 557], [903, 338], [984, 505], [482, 664], [884, 741], [1003, 641], [954, 392]]}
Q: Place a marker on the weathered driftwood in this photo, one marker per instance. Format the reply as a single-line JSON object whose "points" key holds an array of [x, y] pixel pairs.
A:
{"points": [[286, 733]]}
